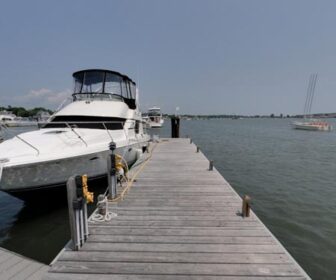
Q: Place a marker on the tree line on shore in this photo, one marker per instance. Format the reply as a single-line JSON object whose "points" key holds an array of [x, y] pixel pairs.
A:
{"points": [[23, 112]]}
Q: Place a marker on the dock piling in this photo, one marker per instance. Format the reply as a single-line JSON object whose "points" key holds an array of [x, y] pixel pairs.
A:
{"points": [[246, 206], [111, 172], [210, 165], [175, 127], [101, 205]]}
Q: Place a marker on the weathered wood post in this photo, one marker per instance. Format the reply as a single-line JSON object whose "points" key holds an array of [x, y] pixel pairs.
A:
{"points": [[175, 127], [111, 172], [246, 206], [197, 149], [210, 165]]}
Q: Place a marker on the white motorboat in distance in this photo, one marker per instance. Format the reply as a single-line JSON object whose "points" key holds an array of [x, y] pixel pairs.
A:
{"points": [[75, 140], [11, 120], [155, 118]]}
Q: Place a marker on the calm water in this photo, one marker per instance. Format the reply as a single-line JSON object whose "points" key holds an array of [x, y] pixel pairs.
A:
{"points": [[290, 175]]}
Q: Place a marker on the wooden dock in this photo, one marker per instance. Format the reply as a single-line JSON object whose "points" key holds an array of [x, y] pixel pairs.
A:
{"points": [[178, 221], [17, 267]]}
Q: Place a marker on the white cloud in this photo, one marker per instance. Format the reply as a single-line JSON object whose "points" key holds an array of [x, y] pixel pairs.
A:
{"points": [[45, 97]]}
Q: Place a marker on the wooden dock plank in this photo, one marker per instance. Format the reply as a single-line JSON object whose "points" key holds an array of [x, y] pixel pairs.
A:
{"points": [[179, 221], [217, 232], [168, 257], [180, 247], [73, 276], [16, 267], [177, 268], [180, 239]]}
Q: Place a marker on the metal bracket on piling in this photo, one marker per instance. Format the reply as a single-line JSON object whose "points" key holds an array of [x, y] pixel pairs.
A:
{"points": [[246, 207], [77, 212], [111, 172]]}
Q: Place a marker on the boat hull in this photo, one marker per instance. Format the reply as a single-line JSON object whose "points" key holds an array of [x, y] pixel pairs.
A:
{"points": [[45, 175], [311, 127], [155, 125]]}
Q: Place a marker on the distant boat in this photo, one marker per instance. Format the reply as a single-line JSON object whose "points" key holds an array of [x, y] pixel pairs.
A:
{"points": [[314, 125], [11, 120], [308, 123], [155, 118]]}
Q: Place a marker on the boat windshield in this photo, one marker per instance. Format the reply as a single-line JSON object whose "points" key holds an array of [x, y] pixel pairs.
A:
{"points": [[154, 112], [104, 84]]}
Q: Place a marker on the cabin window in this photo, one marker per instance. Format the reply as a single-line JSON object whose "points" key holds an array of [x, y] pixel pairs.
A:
{"points": [[86, 122]]}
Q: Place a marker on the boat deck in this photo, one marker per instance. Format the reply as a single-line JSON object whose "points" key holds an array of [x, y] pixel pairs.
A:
{"points": [[179, 221], [16, 267]]}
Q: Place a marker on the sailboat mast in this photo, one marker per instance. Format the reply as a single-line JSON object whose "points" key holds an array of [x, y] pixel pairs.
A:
{"points": [[313, 92], [307, 97], [310, 95]]}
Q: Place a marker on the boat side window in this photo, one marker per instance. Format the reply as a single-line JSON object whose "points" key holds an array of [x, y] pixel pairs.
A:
{"points": [[112, 84], [133, 90], [124, 89], [93, 82], [78, 82]]}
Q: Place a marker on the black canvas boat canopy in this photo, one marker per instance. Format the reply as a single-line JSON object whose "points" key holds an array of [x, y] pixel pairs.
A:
{"points": [[104, 83]]}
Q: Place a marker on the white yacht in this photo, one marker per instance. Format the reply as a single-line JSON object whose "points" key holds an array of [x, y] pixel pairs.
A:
{"points": [[155, 117], [75, 140], [11, 120], [20, 122], [6, 116]]}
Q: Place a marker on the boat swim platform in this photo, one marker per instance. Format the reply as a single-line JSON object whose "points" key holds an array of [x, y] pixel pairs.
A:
{"points": [[178, 221], [16, 267]]}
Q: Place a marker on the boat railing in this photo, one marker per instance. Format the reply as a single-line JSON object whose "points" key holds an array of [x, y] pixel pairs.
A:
{"points": [[76, 124], [5, 128], [63, 103], [73, 126]]}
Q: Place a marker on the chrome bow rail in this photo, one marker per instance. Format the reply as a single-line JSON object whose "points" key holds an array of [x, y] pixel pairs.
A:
{"points": [[73, 126]]}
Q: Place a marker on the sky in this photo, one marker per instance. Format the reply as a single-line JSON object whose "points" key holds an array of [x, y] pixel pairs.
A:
{"points": [[205, 57]]}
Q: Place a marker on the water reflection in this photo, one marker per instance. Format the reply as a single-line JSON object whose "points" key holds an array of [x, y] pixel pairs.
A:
{"points": [[39, 228]]}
